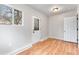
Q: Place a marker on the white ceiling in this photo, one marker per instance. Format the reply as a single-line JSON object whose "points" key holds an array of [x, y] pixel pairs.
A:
{"points": [[45, 8]]}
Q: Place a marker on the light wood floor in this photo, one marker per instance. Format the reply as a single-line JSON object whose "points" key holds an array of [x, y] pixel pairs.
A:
{"points": [[52, 47]]}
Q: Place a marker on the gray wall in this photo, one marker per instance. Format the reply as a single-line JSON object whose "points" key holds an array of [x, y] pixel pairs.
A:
{"points": [[56, 24], [14, 37]]}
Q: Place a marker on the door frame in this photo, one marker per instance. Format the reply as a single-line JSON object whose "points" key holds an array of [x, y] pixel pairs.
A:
{"points": [[76, 31], [33, 22], [33, 26]]}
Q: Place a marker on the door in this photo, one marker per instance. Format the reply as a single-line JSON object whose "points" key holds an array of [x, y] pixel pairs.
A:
{"points": [[35, 29], [70, 29]]}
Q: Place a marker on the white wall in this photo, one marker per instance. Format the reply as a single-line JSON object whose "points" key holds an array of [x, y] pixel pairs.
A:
{"points": [[15, 37], [78, 23], [56, 24], [56, 27]]}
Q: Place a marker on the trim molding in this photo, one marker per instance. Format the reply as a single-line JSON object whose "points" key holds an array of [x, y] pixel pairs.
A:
{"points": [[61, 39], [29, 46], [56, 38], [25, 47], [20, 49], [44, 39]]}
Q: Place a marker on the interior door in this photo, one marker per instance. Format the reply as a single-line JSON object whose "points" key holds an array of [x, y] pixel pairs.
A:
{"points": [[70, 29], [35, 29]]}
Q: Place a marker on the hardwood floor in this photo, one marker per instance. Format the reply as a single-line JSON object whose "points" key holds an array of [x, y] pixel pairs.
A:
{"points": [[52, 47]]}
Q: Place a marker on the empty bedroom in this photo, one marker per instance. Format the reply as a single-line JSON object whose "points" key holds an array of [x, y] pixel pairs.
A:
{"points": [[39, 29]]}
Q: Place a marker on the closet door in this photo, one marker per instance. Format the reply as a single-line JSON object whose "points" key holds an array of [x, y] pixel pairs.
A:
{"points": [[70, 29]]}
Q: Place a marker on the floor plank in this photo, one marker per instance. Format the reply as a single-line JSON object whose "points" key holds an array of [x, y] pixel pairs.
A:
{"points": [[52, 47]]}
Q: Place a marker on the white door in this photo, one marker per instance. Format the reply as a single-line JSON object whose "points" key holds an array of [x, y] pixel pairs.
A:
{"points": [[70, 29], [35, 29]]}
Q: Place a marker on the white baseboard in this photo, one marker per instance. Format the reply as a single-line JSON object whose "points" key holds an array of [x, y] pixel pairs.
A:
{"points": [[56, 38], [20, 49], [44, 39], [30, 45], [61, 39], [25, 47]]}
